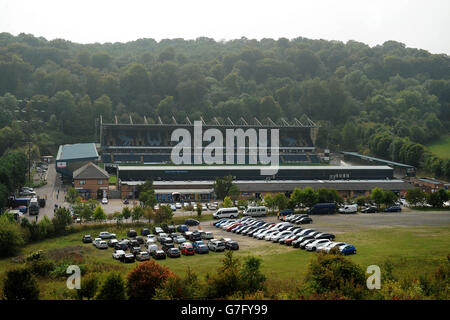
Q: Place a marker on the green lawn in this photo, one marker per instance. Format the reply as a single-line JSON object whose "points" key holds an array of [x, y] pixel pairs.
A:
{"points": [[412, 251], [441, 147]]}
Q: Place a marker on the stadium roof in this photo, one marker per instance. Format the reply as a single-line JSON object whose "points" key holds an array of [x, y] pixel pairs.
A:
{"points": [[215, 122], [78, 151], [363, 157], [247, 167]]}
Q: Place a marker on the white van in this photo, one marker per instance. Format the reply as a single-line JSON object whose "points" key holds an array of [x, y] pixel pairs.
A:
{"points": [[349, 208], [256, 211], [226, 213]]}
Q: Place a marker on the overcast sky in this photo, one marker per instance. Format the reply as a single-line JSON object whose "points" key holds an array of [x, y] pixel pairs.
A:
{"points": [[419, 24]]}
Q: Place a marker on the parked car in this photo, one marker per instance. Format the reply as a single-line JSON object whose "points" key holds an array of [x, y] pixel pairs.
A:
{"points": [[112, 243], [158, 230], [118, 254], [162, 236], [195, 236], [165, 247], [150, 240], [131, 233], [232, 212], [191, 222], [126, 201], [370, 209], [182, 228], [349, 208], [393, 209], [96, 242], [143, 256], [179, 239], [286, 212], [324, 235], [323, 208], [178, 205], [135, 250], [347, 249], [106, 235], [187, 249], [128, 258], [216, 245], [200, 247], [152, 249], [303, 244], [102, 245], [230, 244], [159, 254], [206, 235], [105, 201], [87, 238], [173, 253], [333, 245], [133, 243], [304, 220], [313, 245], [121, 246], [140, 239], [145, 232]]}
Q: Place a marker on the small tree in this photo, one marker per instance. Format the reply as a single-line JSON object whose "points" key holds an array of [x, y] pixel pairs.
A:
{"points": [[137, 213], [269, 202], [126, 213], [309, 197], [416, 197], [11, 238], [71, 195], [251, 276], [20, 284], [117, 215], [227, 279], [163, 214], [149, 213], [377, 195], [389, 198], [86, 213], [143, 280], [99, 214], [88, 287], [113, 288], [199, 209], [227, 203], [61, 220], [281, 201]]}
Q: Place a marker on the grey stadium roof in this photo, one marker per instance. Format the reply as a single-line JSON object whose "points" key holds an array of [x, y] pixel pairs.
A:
{"points": [[78, 151], [246, 167], [367, 158]]}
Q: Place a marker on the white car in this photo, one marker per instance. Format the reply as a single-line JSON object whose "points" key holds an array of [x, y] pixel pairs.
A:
{"points": [[327, 248], [173, 207], [96, 242], [106, 235], [204, 208], [350, 208], [178, 205], [118, 254], [152, 248], [313, 245], [268, 237], [150, 241], [102, 245], [279, 235], [105, 201]]}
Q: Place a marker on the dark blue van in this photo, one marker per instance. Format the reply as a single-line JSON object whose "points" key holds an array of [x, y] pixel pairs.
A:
{"points": [[286, 212], [323, 208]]}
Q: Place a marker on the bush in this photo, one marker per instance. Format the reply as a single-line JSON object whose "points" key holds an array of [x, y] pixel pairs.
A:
{"points": [[20, 285], [11, 237], [89, 286], [334, 273], [143, 280], [252, 278], [113, 288], [226, 281], [41, 267], [176, 288]]}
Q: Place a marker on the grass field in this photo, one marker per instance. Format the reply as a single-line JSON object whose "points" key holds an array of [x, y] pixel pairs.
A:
{"points": [[411, 250], [441, 147]]}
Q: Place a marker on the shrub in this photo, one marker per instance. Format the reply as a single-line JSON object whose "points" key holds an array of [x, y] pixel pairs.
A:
{"points": [[143, 280], [89, 286], [226, 281], [176, 288], [252, 278], [11, 238], [334, 273], [20, 285], [113, 288]]}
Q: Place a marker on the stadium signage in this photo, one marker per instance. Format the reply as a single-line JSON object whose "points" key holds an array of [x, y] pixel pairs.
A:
{"points": [[213, 153]]}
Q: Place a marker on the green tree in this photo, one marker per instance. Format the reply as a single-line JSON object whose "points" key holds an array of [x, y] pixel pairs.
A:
{"points": [[71, 195], [163, 214], [415, 197], [252, 277], [281, 201], [269, 201], [377, 195], [113, 288], [222, 187], [61, 220], [126, 212], [88, 287], [309, 197], [11, 238], [227, 203], [99, 214], [389, 198], [137, 213], [19, 284]]}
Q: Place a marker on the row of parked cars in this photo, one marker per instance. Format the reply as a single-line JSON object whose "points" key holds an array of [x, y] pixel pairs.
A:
{"points": [[285, 233], [188, 243]]}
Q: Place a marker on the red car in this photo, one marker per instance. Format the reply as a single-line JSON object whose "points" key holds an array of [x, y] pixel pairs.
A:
{"points": [[233, 226], [187, 250], [289, 241]]}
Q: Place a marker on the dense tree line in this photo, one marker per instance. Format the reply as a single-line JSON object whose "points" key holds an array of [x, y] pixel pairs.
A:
{"points": [[387, 100]]}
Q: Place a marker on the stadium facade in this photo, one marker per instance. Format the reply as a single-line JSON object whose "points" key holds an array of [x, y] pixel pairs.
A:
{"points": [[140, 152]]}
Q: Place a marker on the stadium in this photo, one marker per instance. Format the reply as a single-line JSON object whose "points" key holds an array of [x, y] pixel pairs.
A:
{"points": [[139, 152]]}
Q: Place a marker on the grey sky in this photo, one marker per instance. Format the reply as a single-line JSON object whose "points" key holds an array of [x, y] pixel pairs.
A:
{"points": [[419, 24]]}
